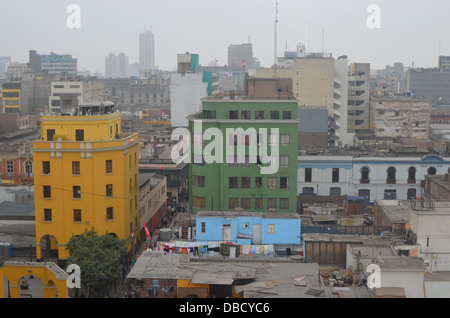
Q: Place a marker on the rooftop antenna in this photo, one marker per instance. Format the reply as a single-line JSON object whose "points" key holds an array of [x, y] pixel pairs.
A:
{"points": [[309, 35], [275, 34], [322, 41]]}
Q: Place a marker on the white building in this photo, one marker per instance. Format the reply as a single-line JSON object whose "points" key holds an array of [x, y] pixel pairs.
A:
{"points": [[65, 96], [429, 227], [186, 92], [371, 177]]}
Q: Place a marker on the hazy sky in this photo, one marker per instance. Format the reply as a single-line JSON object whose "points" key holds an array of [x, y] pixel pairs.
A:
{"points": [[411, 30]]}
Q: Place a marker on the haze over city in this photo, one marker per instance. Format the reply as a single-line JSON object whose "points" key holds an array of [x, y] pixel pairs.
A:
{"points": [[410, 31]]}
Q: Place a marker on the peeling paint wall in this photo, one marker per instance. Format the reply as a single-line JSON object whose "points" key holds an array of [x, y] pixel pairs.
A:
{"points": [[399, 116]]}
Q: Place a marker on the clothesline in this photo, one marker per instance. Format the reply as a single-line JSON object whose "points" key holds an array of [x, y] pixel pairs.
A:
{"points": [[201, 248]]}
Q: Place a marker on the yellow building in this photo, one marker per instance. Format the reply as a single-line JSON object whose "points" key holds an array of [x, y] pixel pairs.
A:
{"points": [[11, 97], [86, 176]]}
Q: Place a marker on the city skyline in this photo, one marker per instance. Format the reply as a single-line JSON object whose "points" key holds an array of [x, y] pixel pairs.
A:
{"points": [[409, 32]]}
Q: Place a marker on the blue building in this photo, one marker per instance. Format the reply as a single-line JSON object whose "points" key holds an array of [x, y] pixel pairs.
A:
{"points": [[53, 63], [248, 228]]}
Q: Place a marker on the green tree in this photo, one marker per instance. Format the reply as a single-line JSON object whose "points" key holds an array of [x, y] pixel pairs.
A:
{"points": [[100, 258]]}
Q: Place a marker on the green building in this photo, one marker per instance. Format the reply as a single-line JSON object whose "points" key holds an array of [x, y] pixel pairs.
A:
{"points": [[243, 155]]}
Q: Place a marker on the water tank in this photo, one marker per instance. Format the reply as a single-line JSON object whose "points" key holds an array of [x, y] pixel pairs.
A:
{"points": [[165, 235], [5, 250]]}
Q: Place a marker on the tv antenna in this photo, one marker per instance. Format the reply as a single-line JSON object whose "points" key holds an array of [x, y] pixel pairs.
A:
{"points": [[275, 34]]}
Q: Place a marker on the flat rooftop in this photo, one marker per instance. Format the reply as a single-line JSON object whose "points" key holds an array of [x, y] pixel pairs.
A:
{"points": [[235, 214], [270, 279]]}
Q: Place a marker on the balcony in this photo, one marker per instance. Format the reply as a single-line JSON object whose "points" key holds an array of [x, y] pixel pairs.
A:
{"points": [[336, 113], [364, 180]]}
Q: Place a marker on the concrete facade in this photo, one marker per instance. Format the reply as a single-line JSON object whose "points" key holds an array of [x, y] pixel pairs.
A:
{"points": [[432, 84], [400, 116], [358, 97], [237, 53], [186, 92]]}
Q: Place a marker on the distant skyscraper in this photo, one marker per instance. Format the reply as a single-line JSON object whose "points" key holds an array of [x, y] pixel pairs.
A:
{"points": [[240, 55], [116, 66], [147, 51]]}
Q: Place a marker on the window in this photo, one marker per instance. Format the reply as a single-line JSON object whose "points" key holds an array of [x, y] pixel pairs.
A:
{"points": [[272, 182], [274, 114], [271, 203], [308, 190], [245, 114], [47, 191], [75, 167], [335, 175], [308, 174], [199, 202], [232, 203], [287, 115], [245, 203], [245, 161], [109, 190], [245, 182], [411, 193], [233, 140], [203, 227], [284, 204], [258, 203], [28, 169], [233, 114], [412, 175], [76, 192], [9, 167], [284, 161], [233, 182], [273, 138], [79, 134], [258, 182], [284, 183], [365, 175], [45, 167], [270, 228], [209, 114], [365, 193], [259, 114], [233, 161], [50, 134], [77, 215], [390, 175], [335, 191], [48, 215], [109, 213], [285, 139], [390, 194], [199, 181], [431, 171]]}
